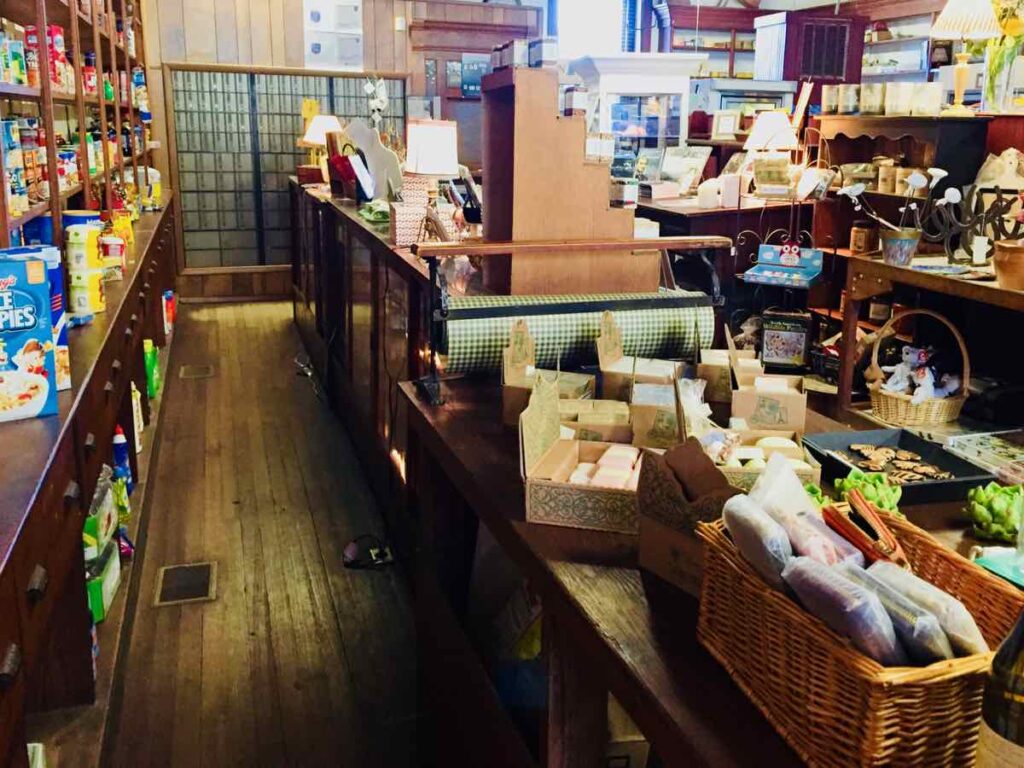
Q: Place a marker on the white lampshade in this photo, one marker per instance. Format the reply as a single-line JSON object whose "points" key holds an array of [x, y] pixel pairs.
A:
{"points": [[771, 131], [967, 20], [315, 136], [432, 148]]}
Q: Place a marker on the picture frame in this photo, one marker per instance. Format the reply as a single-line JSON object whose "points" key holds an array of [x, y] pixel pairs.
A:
{"points": [[814, 182], [800, 110], [648, 163], [685, 166], [735, 163], [725, 124]]}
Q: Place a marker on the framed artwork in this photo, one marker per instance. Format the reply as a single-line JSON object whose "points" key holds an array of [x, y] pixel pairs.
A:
{"points": [[453, 74], [814, 183], [725, 124], [648, 163], [685, 166], [800, 110], [736, 162]]}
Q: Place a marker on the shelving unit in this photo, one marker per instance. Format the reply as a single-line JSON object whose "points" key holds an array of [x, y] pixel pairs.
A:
{"points": [[85, 32], [910, 40], [733, 44]]}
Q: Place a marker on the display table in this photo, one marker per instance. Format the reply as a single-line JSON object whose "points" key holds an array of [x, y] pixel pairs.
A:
{"points": [[48, 470], [610, 627]]}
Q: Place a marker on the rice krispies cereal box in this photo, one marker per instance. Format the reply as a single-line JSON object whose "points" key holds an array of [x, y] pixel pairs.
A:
{"points": [[27, 371], [58, 311]]}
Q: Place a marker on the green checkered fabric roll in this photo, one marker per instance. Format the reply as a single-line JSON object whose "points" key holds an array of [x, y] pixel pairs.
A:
{"points": [[476, 345]]}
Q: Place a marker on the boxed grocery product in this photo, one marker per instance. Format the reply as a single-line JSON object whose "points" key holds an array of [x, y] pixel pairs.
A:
{"points": [[519, 372], [28, 377], [772, 402], [572, 482], [603, 421], [101, 522], [58, 312], [620, 371], [103, 577]]}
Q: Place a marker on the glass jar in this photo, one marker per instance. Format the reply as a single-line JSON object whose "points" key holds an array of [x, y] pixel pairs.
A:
{"points": [[872, 98], [863, 237], [849, 98], [829, 99]]}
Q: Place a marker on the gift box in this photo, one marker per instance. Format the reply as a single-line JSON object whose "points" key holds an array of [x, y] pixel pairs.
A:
{"points": [[670, 508], [603, 421], [406, 222], [519, 374], [620, 371], [546, 461], [772, 402]]}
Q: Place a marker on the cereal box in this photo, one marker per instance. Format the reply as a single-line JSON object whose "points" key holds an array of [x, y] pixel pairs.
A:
{"points": [[27, 372], [58, 305]]}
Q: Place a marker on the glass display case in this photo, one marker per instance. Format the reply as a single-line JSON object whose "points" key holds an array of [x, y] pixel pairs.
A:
{"points": [[640, 98]]}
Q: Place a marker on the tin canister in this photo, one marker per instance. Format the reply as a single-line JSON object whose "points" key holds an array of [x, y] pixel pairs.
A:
{"points": [[829, 99], [82, 248], [87, 296], [849, 99]]}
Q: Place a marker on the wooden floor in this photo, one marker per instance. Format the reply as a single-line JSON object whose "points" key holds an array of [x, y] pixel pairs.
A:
{"points": [[298, 662]]}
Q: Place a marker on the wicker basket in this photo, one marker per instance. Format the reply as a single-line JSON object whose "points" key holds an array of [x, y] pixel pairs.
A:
{"points": [[897, 408], [834, 705]]}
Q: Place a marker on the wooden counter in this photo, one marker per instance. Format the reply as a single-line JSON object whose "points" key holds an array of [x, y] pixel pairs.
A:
{"points": [[48, 470]]}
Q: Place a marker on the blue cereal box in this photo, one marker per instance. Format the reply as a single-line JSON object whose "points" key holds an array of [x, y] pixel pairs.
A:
{"points": [[58, 313], [27, 371]]}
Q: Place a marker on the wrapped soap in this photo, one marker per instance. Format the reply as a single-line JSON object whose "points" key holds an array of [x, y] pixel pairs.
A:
{"points": [[955, 620], [779, 490], [611, 477], [623, 456], [583, 473], [762, 541], [846, 607], [917, 628]]}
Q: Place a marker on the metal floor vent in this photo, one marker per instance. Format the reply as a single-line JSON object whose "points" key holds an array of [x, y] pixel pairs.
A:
{"points": [[196, 372], [191, 583]]}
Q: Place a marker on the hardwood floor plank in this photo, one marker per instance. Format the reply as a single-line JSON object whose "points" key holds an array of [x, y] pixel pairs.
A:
{"points": [[297, 661]]}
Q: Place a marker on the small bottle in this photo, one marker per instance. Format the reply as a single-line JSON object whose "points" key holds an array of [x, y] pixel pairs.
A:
{"points": [[1001, 740], [122, 464], [152, 360]]}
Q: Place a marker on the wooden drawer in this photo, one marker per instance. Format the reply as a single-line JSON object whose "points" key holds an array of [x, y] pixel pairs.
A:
{"points": [[12, 669], [51, 538]]}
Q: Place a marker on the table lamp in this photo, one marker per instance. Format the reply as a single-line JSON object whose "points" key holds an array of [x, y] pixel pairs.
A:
{"points": [[432, 153], [964, 20], [773, 138], [315, 140]]}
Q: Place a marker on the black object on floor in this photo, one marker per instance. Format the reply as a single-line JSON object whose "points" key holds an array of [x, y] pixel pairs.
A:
{"points": [[366, 552], [192, 583], [196, 372]]}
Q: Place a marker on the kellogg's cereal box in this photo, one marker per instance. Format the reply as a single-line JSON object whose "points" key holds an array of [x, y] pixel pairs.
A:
{"points": [[58, 313], [27, 372]]}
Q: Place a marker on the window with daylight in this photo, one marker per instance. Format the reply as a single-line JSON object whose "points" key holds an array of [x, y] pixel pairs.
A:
{"points": [[589, 27]]}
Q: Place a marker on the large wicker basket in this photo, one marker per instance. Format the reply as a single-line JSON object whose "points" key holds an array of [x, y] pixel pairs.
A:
{"points": [[834, 705], [898, 408]]}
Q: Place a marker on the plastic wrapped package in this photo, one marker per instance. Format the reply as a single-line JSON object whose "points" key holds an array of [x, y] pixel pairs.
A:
{"points": [[762, 541], [848, 608], [778, 489], [917, 628], [955, 620], [844, 551], [811, 537]]}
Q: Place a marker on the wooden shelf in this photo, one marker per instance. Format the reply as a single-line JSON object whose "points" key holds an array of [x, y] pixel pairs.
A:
{"points": [[71, 191], [34, 212], [898, 40], [11, 91], [867, 325], [901, 72]]}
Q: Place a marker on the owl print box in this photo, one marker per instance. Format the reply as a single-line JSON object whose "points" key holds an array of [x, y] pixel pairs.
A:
{"points": [[27, 373]]}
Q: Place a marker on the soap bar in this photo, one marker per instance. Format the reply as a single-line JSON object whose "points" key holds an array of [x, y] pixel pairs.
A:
{"points": [[748, 452], [619, 456], [634, 479], [766, 384], [611, 477]]}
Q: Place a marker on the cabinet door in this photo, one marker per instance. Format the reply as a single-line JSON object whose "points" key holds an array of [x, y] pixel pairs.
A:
{"points": [[824, 47]]}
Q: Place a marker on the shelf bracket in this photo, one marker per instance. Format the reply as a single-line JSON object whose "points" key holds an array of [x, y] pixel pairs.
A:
{"points": [[864, 286]]}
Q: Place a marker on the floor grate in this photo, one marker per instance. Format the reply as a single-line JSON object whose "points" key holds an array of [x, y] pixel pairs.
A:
{"points": [[196, 372], [191, 583]]}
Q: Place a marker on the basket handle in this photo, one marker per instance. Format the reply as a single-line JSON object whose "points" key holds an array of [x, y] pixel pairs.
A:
{"points": [[884, 331]]}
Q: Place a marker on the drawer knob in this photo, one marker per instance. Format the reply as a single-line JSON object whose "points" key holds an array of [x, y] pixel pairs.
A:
{"points": [[37, 583], [151, 270], [142, 295], [9, 666], [145, 286], [129, 332], [73, 493], [108, 388], [116, 367], [90, 443]]}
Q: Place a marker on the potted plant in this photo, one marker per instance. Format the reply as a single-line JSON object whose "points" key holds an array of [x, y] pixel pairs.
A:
{"points": [[1001, 52]]}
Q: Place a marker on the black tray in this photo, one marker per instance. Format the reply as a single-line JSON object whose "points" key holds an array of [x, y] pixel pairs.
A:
{"points": [[965, 474]]}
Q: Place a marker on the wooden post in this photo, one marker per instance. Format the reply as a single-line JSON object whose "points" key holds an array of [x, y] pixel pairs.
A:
{"points": [[577, 704], [104, 123], [83, 147], [46, 112], [115, 82]]}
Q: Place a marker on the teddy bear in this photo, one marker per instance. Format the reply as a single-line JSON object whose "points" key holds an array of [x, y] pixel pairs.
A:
{"points": [[899, 380], [924, 380]]}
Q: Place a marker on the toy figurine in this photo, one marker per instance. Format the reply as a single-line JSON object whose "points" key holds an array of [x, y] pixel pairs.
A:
{"points": [[949, 384], [924, 379]]}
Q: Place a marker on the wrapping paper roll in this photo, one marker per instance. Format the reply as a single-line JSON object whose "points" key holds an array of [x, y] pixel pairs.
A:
{"points": [[475, 345]]}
